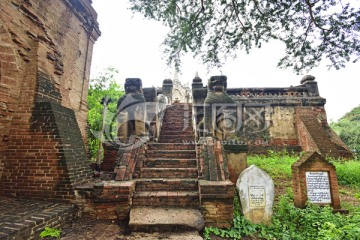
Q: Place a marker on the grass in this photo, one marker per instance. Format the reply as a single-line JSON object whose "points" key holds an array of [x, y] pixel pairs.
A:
{"points": [[276, 164], [348, 172], [288, 222]]}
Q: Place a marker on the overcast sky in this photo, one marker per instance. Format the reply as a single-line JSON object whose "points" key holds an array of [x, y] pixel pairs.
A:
{"points": [[131, 44]]}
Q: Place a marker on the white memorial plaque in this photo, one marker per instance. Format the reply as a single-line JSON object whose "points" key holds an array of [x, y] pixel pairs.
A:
{"points": [[318, 187], [257, 196]]}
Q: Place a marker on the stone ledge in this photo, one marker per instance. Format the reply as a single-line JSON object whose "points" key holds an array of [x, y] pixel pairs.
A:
{"points": [[150, 219], [235, 148]]}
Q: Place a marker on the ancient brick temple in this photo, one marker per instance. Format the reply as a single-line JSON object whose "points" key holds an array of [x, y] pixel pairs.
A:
{"points": [[291, 118], [45, 57], [177, 152]]}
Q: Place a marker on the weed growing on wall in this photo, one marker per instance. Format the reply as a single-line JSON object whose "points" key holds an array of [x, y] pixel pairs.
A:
{"points": [[50, 232]]}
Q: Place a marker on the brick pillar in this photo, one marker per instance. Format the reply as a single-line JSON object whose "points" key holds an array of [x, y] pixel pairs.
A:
{"points": [[236, 156]]}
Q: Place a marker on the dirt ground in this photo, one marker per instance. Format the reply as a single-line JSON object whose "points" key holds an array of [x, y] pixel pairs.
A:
{"points": [[91, 229], [87, 228]]}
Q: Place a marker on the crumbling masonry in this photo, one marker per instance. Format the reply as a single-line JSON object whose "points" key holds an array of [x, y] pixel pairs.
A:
{"points": [[182, 149], [45, 56]]}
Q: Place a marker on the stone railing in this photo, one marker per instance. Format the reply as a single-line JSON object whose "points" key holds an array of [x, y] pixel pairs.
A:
{"points": [[129, 161], [220, 164]]}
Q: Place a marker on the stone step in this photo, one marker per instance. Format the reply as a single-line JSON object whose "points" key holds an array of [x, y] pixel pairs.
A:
{"points": [[149, 219], [170, 163], [177, 154], [169, 124], [171, 146], [169, 235], [178, 123], [163, 184], [169, 173], [166, 198], [178, 119], [182, 139], [178, 110], [178, 136], [175, 130], [188, 131], [173, 133], [178, 116]]}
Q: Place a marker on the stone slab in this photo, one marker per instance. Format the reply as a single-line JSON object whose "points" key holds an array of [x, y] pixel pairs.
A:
{"points": [[147, 219], [168, 236], [256, 192]]}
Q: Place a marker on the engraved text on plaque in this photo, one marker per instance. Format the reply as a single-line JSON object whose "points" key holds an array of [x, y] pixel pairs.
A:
{"points": [[318, 187], [257, 196]]}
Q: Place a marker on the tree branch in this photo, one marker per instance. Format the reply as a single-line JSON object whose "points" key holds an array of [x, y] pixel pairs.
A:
{"points": [[256, 3], [227, 24], [310, 6], [237, 13], [306, 35]]}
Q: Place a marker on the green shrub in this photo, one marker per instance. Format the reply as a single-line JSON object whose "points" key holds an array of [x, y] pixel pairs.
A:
{"points": [[50, 232], [241, 227], [289, 222], [312, 222], [348, 129], [348, 172]]}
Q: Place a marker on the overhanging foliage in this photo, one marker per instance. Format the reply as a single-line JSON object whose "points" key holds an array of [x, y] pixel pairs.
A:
{"points": [[311, 30]]}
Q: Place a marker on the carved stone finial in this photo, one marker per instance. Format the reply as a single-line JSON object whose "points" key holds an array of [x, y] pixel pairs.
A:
{"points": [[133, 85], [197, 79], [176, 76], [217, 84], [307, 78]]}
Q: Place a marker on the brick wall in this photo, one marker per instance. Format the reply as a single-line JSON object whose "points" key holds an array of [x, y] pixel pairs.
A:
{"points": [[8, 86], [216, 199], [45, 58], [314, 133], [106, 200], [48, 159]]}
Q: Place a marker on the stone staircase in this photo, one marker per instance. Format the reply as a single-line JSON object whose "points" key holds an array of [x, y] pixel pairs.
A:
{"points": [[322, 139], [167, 197]]}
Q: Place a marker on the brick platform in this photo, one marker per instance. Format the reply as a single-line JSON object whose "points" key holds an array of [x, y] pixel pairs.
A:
{"points": [[25, 219]]}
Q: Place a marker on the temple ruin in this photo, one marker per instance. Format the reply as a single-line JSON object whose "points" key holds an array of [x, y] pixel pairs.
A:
{"points": [[176, 147]]}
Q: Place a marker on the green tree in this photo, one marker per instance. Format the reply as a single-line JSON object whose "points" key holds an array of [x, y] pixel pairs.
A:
{"points": [[348, 129], [215, 29], [100, 86]]}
